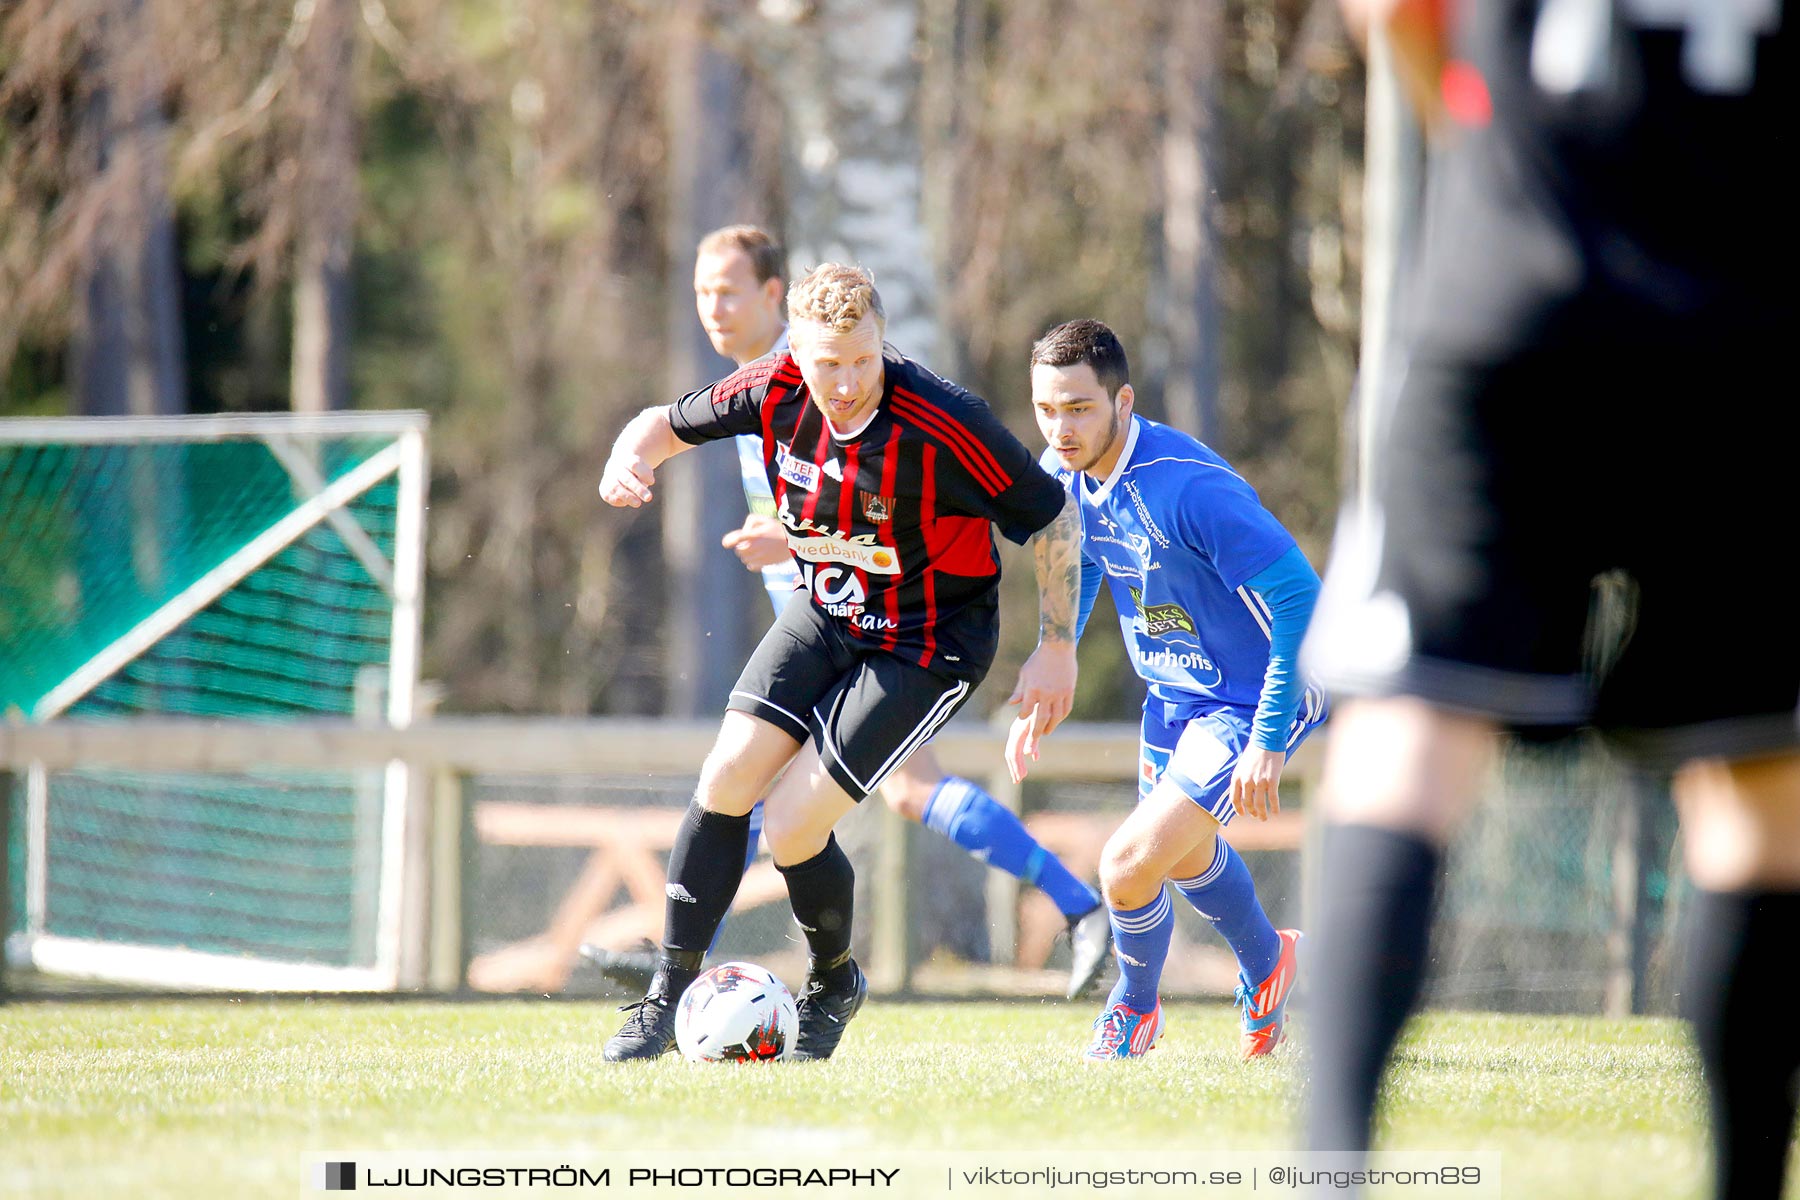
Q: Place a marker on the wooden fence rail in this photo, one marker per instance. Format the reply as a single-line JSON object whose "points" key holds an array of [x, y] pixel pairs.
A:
{"points": [[446, 751]]}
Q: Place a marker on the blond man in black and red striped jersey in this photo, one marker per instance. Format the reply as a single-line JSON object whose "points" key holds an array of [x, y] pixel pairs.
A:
{"points": [[739, 295], [888, 481]]}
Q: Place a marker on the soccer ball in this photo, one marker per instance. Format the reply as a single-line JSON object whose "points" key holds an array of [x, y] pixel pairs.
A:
{"points": [[736, 1012]]}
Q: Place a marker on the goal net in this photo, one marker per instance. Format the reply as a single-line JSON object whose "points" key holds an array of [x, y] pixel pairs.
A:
{"points": [[263, 567]]}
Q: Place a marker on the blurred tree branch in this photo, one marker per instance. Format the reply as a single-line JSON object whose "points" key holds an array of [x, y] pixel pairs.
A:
{"points": [[497, 194]]}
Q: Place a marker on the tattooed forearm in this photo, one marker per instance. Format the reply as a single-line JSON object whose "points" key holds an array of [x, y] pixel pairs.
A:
{"points": [[1057, 551]]}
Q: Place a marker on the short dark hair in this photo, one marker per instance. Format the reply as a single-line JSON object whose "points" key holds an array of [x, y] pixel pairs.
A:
{"points": [[1085, 341], [764, 251]]}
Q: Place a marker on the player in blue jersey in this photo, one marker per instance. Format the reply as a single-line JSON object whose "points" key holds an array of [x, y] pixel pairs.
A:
{"points": [[1214, 598], [738, 293]]}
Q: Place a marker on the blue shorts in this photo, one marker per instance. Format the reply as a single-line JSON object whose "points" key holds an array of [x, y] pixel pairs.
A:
{"points": [[1197, 749]]}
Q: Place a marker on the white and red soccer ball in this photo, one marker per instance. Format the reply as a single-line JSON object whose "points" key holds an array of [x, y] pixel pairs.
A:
{"points": [[736, 1012]]}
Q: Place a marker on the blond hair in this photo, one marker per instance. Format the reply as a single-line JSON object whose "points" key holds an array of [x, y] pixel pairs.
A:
{"points": [[835, 297]]}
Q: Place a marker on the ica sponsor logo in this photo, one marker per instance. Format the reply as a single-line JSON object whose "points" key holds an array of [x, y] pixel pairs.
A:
{"points": [[840, 593]]}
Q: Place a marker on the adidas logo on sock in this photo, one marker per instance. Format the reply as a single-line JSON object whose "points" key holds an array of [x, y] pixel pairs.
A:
{"points": [[676, 892]]}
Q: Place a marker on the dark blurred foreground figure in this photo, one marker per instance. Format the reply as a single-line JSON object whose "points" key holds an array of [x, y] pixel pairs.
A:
{"points": [[1590, 388]]}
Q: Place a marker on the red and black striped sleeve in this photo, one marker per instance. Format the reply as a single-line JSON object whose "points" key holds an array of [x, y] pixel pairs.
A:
{"points": [[987, 472], [734, 404]]}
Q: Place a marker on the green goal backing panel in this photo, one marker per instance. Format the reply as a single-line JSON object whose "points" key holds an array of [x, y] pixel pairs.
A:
{"points": [[252, 567]]}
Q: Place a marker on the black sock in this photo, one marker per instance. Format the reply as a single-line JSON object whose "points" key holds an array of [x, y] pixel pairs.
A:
{"points": [[1740, 949], [823, 891], [675, 969], [1374, 927], [705, 868]]}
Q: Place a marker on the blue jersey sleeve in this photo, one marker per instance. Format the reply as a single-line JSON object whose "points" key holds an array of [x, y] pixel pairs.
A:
{"points": [[1289, 587], [1220, 515], [1090, 591]]}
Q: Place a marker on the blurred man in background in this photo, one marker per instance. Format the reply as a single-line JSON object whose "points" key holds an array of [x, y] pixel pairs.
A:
{"points": [[1592, 385], [738, 291]]}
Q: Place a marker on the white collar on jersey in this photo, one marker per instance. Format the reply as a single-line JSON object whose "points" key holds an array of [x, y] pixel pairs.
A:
{"points": [[1099, 494], [853, 434]]}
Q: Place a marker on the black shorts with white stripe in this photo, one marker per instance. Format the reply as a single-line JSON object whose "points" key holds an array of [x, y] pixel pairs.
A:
{"points": [[1558, 539], [865, 709]]}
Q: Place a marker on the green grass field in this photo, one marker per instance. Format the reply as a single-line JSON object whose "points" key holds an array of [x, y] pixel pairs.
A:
{"points": [[199, 1099]]}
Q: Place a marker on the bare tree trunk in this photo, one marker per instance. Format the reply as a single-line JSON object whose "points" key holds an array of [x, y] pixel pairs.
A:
{"points": [[1191, 251], [858, 185], [944, 104], [520, 428], [705, 637], [857, 196], [518, 488], [128, 353], [325, 228]]}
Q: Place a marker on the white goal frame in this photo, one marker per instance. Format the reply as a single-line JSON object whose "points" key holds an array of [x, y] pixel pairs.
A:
{"points": [[403, 579]]}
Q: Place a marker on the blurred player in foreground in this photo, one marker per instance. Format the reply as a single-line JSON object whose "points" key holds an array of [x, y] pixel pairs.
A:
{"points": [[1214, 597], [888, 481], [738, 291], [1595, 384]]}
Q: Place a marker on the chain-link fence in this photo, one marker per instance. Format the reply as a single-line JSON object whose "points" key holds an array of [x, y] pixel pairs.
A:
{"points": [[1562, 892]]}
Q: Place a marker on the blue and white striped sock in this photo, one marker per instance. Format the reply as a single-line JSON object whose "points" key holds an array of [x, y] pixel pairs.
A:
{"points": [[991, 832], [1225, 895], [1141, 944]]}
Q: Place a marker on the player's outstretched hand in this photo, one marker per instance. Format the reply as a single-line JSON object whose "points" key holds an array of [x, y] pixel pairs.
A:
{"points": [[625, 483], [1045, 693], [1256, 783], [759, 542], [1021, 745]]}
